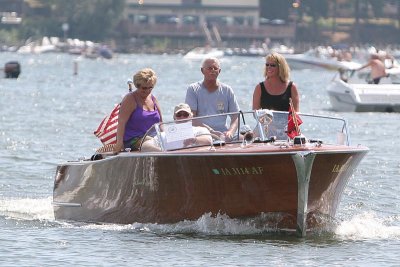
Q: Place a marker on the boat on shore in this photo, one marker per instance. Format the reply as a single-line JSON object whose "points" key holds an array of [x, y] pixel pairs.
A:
{"points": [[296, 184], [349, 93]]}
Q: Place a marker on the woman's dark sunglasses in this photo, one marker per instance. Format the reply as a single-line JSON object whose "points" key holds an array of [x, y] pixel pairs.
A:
{"points": [[270, 65]]}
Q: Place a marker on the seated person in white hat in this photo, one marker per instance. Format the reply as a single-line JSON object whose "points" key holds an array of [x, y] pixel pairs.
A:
{"points": [[201, 135]]}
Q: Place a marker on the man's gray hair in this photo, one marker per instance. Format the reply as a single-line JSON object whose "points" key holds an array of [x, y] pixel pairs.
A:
{"points": [[213, 59]]}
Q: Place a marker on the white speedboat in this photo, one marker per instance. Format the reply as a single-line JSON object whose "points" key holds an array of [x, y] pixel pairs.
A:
{"points": [[45, 45], [200, 53], [350, 93], [310, 60]]}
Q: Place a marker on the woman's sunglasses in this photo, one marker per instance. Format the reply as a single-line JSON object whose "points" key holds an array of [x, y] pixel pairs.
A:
{"points": [[270, 65]]}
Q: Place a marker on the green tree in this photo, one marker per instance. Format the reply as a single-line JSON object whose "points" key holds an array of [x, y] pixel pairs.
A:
{"points": [[361, 7], [377, 7], [398, 14], [275, 9], [87, 19], [94, 20], [316, 9]]}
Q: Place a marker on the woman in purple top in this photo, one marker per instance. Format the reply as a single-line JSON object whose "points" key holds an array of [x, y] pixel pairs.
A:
{"points": [[139, 111]]}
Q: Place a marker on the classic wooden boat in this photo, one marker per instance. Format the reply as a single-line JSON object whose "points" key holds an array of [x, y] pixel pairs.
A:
{"points": [[350, 93], [297, 182]]}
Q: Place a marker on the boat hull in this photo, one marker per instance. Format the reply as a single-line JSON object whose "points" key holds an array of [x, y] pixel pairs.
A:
{"points": [[172, 187], [304, 61], [348, 97]]}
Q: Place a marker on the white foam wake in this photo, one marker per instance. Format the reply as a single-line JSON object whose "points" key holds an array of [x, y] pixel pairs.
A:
{"points": [[369, 226], [206, 224], [27, 209]]}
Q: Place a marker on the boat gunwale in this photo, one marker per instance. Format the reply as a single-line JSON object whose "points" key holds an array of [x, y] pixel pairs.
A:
{"points": [[285, 151]]}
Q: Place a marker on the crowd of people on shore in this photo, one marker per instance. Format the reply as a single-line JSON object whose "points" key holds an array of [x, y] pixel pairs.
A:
{"points": [[140, 109]]}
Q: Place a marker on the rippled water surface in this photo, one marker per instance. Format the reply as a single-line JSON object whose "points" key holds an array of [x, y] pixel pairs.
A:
{"points": [[48, 115]]}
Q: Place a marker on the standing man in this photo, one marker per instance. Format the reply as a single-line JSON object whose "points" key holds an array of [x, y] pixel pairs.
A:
{"points": [[378, 69], [210, 97]]}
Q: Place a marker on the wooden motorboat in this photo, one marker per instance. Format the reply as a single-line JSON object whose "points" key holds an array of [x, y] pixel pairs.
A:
{"points": [[297, 182], [347, 92]]}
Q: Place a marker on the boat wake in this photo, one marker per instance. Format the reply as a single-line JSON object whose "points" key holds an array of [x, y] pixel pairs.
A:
{"points": [[366, 225], [29, 209]]}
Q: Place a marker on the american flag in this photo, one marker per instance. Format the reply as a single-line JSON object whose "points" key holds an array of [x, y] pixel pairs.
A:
{"points": [[107, 130]]}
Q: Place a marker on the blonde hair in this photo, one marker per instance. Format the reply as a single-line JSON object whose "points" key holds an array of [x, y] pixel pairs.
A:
{"points": [[144, 76], [283, 67]]}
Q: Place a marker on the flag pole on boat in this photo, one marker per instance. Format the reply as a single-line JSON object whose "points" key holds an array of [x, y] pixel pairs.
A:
{"points": [[109, 147], [129, 82], [294, 116], [299, 139]]}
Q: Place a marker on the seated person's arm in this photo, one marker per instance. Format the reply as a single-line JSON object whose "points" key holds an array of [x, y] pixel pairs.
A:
{"points": [[202, 137], [200, 124], [203, 140], [233, 127]]}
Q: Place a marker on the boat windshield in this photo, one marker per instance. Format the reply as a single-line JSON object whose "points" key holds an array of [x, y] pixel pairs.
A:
{"points": [[262, 124]]}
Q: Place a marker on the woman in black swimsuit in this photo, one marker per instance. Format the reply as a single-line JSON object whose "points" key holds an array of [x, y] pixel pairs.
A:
{"points": [[275, 91]]}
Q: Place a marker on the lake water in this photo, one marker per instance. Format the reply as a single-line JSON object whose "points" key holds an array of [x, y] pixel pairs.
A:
{"points": [[48, 116]]}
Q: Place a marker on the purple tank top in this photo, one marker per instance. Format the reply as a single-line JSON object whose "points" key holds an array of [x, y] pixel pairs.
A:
{"points": [[140, 121]]}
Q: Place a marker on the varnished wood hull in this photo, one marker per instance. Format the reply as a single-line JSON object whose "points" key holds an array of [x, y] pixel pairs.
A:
{"points": [[174, 186]]}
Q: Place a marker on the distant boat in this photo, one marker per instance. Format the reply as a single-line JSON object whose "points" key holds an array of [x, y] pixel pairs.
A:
{"points": [[89, 49], [200, 53], [12, 69], [37, 47], [250, 52], [98, 52], [308, 60], [105, 52], [254, 51], [282, 49]]}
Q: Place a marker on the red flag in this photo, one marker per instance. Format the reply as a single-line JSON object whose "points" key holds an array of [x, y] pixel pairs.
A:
{"points": [[107, 130], [293, 124]]}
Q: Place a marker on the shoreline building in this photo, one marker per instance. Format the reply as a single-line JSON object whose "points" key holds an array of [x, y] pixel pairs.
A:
{"points": [[189, 23]]}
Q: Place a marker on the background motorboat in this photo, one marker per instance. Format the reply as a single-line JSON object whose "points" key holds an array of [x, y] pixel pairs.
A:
{"points": [[350, 92], [201, 53], [314, 58]]}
